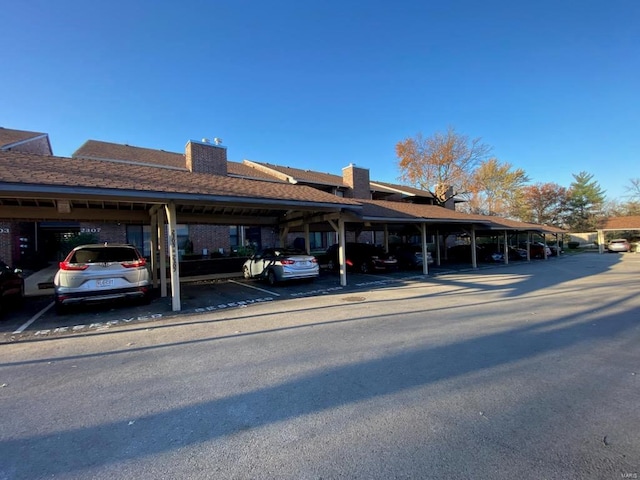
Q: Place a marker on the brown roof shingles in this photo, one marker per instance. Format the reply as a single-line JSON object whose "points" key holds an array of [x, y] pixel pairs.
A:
{"points": [[9, 136], [631, 222], [402, 188], [96, 150], [29, 169], [303, 176]]}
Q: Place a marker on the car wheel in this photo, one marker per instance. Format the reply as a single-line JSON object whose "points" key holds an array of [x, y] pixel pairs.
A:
{"points": [[271, 278], [331, 265], [245, 273], [364, 267]]}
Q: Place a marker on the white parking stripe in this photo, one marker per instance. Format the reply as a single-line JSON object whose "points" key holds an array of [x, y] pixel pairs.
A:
{"points": [[33, 319], [255, 288]]}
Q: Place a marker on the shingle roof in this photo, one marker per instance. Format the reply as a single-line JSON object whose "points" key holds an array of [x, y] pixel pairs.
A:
{"points": [[621, 223], [395, 188], [9, 136], [299, 175], [97, 150], [37, 170], [384, 209]]}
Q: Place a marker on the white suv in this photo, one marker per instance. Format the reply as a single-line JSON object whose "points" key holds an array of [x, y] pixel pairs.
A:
{"points": [[100, 272]]}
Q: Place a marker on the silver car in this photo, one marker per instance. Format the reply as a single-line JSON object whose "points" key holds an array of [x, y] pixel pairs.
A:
{"points": [[619, 245], [101, 272], [278, 264]]}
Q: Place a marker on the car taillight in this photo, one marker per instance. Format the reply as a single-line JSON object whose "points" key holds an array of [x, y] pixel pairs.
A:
{"points": [[349, 263], [314, 260], [135, 263], [287, 262], [73, 266]]}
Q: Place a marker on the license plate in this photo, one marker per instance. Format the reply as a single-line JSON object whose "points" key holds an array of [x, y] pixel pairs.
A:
{"points": [[108, 282]]}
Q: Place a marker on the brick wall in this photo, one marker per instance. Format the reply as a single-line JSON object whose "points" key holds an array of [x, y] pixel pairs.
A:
{"points": [[357, 179], [206, 158], [211, 237]]}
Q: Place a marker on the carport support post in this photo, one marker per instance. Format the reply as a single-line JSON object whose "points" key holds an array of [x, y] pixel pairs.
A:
{"points": [[600, 241], [423, 236], [386, 238], [283, 236], [307, 237], [170, 208], [528, 246], [544, 249], [154, 247], [506, 248], [162, 240], [474, 254], [438, 247], [342, 246]]}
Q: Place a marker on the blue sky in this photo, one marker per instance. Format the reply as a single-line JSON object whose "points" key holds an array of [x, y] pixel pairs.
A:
{"points": [[553, 86]]}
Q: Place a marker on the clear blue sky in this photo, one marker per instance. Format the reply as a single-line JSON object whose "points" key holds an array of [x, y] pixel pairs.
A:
{"points": [[552, 85]]}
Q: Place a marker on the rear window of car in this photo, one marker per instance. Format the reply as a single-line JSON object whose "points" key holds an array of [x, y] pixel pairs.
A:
{"points": [[104, 255]]}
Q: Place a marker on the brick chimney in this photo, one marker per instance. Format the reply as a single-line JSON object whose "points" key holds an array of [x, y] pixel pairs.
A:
{"points": [[357, 179], [205, 157]]}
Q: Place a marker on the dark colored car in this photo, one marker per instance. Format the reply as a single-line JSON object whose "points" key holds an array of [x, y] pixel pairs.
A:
{"points": [[537, 250], [362, 257], [496, 252], [11, 285], [410, 256], [462, 254]]}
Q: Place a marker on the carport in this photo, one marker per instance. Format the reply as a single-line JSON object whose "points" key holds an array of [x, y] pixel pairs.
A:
{"points": [[44, 188], [385, 216], [617, 224]]}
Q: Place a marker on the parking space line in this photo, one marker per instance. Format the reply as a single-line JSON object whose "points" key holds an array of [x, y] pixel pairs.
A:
{"points": [[33, 319], [255, 288]]}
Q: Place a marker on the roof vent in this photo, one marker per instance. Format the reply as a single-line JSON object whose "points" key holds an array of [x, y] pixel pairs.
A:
{"points": [[217, 141], [205, 140]]}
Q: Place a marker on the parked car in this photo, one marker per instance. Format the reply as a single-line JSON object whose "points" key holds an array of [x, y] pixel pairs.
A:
{"points": [[410, 256], [619, 245], [537, 250], [279, 264], [462, 253], [11, 285], [362, 257], [496, 252], [101, 272]]}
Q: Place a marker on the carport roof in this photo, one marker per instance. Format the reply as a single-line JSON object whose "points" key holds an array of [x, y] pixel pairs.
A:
{"points": [[39, 174], [386, 211], [631, 222]]}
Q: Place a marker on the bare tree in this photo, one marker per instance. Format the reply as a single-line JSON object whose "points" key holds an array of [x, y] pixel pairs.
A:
{"points": [[442, 164], [633, 190]]}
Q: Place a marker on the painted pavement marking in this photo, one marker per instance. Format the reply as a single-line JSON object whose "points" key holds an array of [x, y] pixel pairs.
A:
{"points": [[33, 319]]}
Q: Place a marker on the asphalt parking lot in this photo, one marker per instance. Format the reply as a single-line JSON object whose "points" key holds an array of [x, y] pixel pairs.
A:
{"points": [[528, 371], [36, 317]]}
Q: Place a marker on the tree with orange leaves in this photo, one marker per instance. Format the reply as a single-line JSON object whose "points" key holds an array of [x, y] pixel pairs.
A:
{"points": [[442, 164]]}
